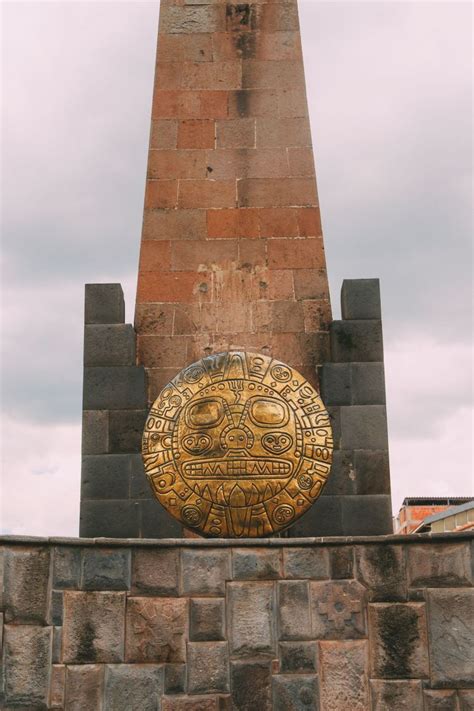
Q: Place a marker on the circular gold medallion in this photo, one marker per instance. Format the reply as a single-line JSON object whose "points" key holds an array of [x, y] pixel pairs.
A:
{"points": [[237, 445]]}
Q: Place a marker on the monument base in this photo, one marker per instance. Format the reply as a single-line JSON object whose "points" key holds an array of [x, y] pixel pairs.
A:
{"points": [[284, 624]]}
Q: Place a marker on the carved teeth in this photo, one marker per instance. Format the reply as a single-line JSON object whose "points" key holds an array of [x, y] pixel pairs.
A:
{"points": [[234, 468]]}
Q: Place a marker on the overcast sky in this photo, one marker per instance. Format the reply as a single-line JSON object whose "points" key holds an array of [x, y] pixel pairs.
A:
{"points": [[389, 96]]}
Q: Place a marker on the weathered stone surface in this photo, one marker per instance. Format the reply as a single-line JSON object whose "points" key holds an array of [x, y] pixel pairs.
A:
{"points": [[336, 387], [343, 675], [206, 619], [105, 476], [251, 610], [300, 563], [298, 657], [367, 384], [338, 610], [381, 569], [66, 567], [57, 644], [175, 678], [398, 641], [109, 345], [27, 659], [156, 629], [95, 432], [56, 607], [324, 518], [440, 700], [104, 303], [439, 565], [155, 571], [93, 629], [106, 569], [360, 298], [294, 614], [364, 427], [57, 684], [372, 471], [367, 515], [358, 341], [112, 518], [466, 700], [204, 572], [110, 388], [451, 635], [341, 559], [391, 695], [126, 429], [208, 667], [193, 703], [156, 522], [295, 692], [251, 685], [84, 687], [26, 577], [255, 564], [133, 687], [139, 486]]}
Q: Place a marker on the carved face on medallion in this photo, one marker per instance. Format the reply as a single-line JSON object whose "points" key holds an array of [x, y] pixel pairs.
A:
{"points": [[237, 445]]}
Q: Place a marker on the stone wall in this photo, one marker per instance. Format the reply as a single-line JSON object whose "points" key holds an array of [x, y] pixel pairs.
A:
{"points": [[298, 624]]}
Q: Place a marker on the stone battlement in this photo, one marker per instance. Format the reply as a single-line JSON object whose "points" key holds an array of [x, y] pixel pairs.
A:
{"points": [[361, 622]]}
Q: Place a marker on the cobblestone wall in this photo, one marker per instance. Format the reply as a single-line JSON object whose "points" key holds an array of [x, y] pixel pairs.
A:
{"points": [[299, 624]]}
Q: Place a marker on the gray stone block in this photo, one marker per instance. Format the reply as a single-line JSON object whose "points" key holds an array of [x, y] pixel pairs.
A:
{"points": [[441, 700], [451, 634], [156, 630], [304, 563], [155, 571], [105, 476], [342, 478], [139, 486], [334, 413], [104, 303], [114, 388], [295, 692], [466, 700], [381, 569], [208, 667], [298, 657], [66, 567], [26, 580], [391, 695], [106, 569], [335, 379], [85, 687], [364, 427], [205, 572], [251, 685], [111, 518], [294, 615], [128, 686], [356, 341], [360, 299], [175, 678], [343, 675], [255, 564], [109, 345], [341, 560], [56, 608], [206, 619], [324, 518], [95, 431], [439, 565], [367, 515], [367, 384], [156, 522], [27, 659], [57, 644], [372, 471], [250, 616], [94, 627], [126, 430], [338, 610]]}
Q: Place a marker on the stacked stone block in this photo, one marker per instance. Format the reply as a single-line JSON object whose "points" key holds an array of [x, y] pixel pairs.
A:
{"points": [[116, 499], [356, 499], [232, 253], [367, 624]]}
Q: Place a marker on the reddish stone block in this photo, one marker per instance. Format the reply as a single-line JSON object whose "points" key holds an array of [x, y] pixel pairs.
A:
{"points": [[236, 133], [273, 285], [203, 255], [232, 223], [278, 222], [441, 701], [230, 285], [191, 19], [172, 286], [343, 675], [196, 133], [301, 161], [155, 256], [163, 134], [161, 193], [295, 254], [309, 222], [317, 316], [390, 695], [439, 565], [276, 192], [190, 318], [177, 164], [156, 630], [232, 317], [279, 46], [225, 163], [284, 132], [57, 683], [206, 193], [287, 316], [163, 351], [267, 75], [252, 253], [292, 103], [174, 224], [311, 284], [184, 48], [251, 102], [157, 379], [278, 17], [190, 104], [212, 75], [154, 319], [191, 703], [84, 686]]}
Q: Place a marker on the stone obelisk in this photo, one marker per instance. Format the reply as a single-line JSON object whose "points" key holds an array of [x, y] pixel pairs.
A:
{"points": [[232, 253]]}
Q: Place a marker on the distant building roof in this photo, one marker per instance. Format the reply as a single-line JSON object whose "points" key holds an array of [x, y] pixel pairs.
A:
{"points": [[436, 500], [449, 512]]}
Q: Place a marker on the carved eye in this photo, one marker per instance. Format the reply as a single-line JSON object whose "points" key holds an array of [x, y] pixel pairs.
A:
{"points": [[206, 413], [268, 413]]}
